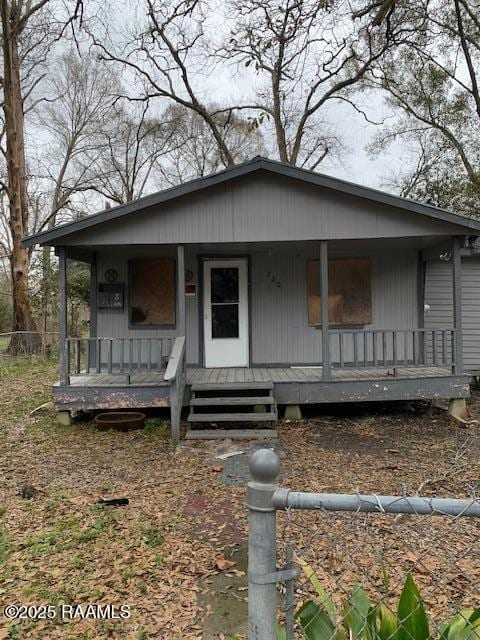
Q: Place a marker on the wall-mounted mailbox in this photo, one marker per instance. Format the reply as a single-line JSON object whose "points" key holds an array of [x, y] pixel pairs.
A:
{"points": [[110, 296]]}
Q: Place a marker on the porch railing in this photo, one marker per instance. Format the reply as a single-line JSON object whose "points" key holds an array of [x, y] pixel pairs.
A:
{"points": [[354, 348], [392, 348], [125, 356]]}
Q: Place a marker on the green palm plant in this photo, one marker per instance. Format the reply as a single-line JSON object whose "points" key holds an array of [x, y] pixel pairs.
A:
{"points": [[359, 619]]}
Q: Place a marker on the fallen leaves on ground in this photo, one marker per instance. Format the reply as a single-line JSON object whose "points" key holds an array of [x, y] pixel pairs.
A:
{"points": [[156, 553], [222, 563]]}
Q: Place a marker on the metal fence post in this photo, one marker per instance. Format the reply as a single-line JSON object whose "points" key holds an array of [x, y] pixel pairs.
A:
{"points": [[262, 546]]}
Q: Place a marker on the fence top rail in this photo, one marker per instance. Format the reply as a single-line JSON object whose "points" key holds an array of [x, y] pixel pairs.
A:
{"points": [[285, 499], [41, 333], [265, 468]]}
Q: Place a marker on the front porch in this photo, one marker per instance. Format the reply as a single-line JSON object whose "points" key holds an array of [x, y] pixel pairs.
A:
{"points": [[107, 373]]}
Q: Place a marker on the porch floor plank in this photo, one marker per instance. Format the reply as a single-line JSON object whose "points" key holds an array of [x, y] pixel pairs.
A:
{"points": [[304, 375], [195, 373], [222, 377], [262, 374], [249, 375]]}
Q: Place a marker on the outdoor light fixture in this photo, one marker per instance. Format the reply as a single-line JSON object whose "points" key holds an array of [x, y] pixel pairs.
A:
{"points": [[446, 257]]}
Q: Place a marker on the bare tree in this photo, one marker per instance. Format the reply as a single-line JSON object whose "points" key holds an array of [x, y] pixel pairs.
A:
{"points": [[130, 146], [432, 81], [81, 94], [427, 169], [193, 150], [305, 54], [163, 55]]}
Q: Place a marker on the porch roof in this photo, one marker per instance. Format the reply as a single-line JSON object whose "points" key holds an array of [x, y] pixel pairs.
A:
{"points": [[257, 164]]}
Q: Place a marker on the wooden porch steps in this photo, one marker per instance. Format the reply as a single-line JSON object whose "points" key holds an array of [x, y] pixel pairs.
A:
{"points": [[245, 401], [234, 434], [267, 416], [232, 386], [240, 402]]}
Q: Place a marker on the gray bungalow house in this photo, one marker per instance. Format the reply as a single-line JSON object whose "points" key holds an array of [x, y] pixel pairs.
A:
{"points": [[211, 295]]}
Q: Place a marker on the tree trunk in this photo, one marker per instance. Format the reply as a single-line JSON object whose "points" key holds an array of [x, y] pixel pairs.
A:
{"points": [[30, 341], [16, 186]]}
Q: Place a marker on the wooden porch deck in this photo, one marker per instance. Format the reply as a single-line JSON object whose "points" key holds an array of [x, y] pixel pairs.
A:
{"points": [[219, 376], [297, 374], [291, 385]]}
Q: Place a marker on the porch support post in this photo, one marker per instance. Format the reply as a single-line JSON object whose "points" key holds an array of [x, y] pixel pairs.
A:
{"points": [[93, 296], [181, 289], [91, 360], [62, 323], [421, 269], [457, 304], [326, 365]]}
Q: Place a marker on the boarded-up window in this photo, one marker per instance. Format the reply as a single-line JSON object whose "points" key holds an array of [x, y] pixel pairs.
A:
{"points": [[152, 292], [349, 291]]}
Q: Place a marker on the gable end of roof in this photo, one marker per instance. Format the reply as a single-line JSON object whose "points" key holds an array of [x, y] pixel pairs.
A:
{"points": [[258, 163]]}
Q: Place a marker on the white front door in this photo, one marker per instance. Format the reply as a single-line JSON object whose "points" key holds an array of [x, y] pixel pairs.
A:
{"points": [[225, 313]]}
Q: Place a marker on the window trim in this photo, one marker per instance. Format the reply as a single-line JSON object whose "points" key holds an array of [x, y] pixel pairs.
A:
{"points": [[151, 327]]}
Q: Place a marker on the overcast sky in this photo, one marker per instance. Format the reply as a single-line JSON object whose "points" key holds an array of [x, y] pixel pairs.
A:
{"points": [[228, 85]]}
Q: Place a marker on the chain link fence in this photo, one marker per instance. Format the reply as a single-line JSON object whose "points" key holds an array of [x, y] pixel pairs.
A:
{"points": [[43, 344], [363, 567]]}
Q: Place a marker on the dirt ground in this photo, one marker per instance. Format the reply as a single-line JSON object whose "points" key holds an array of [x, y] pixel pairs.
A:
{"points": [[176, 553]]}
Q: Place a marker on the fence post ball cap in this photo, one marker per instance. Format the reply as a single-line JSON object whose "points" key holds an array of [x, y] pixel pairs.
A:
{"points": [[264, 466]]}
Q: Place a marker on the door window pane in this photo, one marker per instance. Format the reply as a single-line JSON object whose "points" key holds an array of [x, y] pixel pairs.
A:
{"points": [[224, 320], [224, 284]]}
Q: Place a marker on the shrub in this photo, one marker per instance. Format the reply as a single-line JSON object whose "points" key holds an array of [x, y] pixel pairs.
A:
{"points": [[359, 619]]}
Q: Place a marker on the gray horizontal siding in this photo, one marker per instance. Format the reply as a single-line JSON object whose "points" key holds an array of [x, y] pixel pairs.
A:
{"points": [[262, 208], [278, 302], [438, 294], [280, 331]]}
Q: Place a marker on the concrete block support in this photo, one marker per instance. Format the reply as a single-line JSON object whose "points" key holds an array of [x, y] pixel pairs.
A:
{"points": [[293, 412], [64, 418], [457, 408]]}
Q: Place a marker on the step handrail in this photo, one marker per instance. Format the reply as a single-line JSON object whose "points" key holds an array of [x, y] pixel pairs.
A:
{"points": [[176, 376], [175, 359]]}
